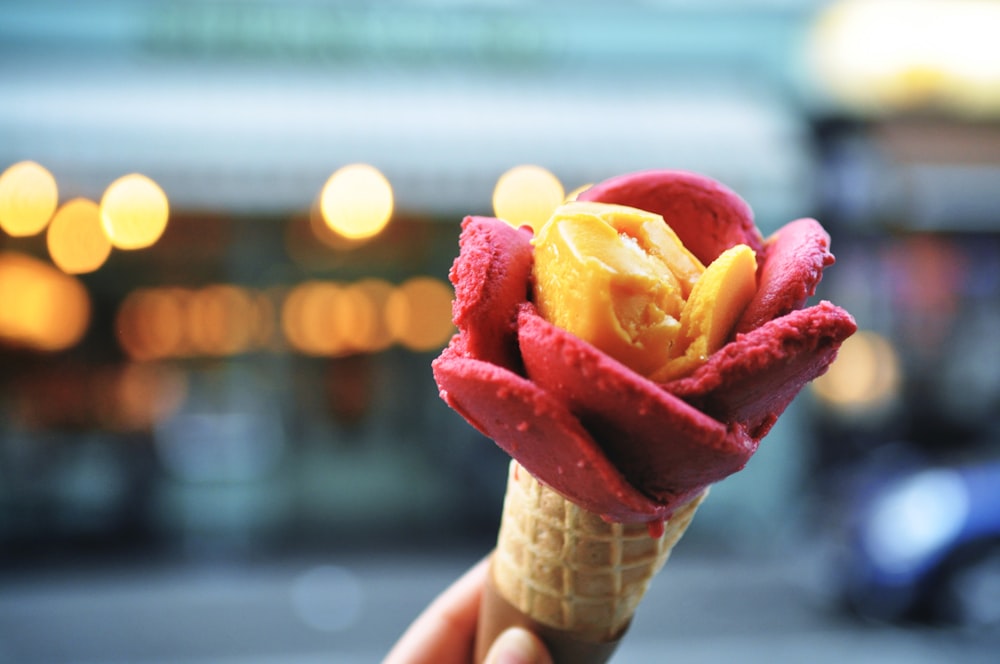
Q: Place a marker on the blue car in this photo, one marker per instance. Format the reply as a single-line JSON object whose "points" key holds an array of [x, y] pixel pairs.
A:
{"points": [[924, 546]]}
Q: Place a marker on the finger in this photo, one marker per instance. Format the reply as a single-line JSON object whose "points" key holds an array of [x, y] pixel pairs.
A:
{"points": [[444, 633], [517, 644]]}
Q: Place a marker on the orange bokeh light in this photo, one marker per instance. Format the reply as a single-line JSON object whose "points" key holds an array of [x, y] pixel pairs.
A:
{"points": [[43, 308], [419, 313], [76, 240]]}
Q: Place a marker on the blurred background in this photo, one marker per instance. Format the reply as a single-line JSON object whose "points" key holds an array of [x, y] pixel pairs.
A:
{"points": [[226, 234]]}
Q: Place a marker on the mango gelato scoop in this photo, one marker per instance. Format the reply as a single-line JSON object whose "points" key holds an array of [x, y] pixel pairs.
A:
{"points": [[621, 279], [638, 348]]}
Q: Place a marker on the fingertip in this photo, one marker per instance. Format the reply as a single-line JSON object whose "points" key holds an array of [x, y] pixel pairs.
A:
{"points": [[517, 645]]}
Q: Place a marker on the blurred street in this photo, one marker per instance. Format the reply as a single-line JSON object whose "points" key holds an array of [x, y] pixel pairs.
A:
{"points": [[703, 607], [227, 233]]}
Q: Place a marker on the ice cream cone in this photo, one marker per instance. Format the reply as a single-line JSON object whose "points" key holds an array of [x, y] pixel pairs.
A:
{"points": [[567, 574]]}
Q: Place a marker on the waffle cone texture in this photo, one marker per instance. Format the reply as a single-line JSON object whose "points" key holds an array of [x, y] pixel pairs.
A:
{"points": [[571, 570]]}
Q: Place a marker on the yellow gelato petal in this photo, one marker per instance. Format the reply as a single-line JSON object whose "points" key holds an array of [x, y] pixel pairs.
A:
{"points": [[711, 312], [598, 276]]}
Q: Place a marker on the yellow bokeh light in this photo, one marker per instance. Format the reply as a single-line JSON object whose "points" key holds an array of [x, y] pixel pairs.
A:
{"points": [[418, 313], [28, 197], [357, 201], [527, 194], [43, 308], [865, 376], [328, 237], [76, 239], [134, 212], [899, 54]]}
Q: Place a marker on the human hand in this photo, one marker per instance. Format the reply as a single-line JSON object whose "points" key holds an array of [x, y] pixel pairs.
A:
{"points": [[445, 632]]}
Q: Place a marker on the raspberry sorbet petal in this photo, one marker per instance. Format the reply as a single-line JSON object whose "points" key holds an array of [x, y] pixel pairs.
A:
{"points": [[545, 438], [491, 277], [792, 266], [752, 379], [662, 445]]}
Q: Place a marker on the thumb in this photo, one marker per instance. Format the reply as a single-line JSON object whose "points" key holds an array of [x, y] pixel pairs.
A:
{"points": [[517, 645]]}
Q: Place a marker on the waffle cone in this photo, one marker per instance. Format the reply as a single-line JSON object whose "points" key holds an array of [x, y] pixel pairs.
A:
{"points": [[569, 571]]}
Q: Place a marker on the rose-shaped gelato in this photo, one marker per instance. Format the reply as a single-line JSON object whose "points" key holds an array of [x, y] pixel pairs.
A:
{"points": [[604, 436]]}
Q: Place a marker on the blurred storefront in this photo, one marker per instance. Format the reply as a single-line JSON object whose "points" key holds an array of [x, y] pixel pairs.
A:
{"points": [[251, 380], [911, 161]]}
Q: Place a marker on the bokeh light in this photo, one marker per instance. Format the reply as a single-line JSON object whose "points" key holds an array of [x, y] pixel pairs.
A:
{"points": [[150, 323], [865, 376], [310, 318], [134, 212], [418, 313], [28, 197], [903, 54], [318, 317], [377, 292], [356, 319], [147, 393], [220, 320], [327, 236], [216, 320], [326, 318], [357, 201], [76, 239], [43, 308], [527, 194]]}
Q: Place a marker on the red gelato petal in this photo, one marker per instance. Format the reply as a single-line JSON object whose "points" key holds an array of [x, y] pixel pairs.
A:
{"points": [[753, 378], [662, 445], [707, 216], [491, 277], [544, 437], [792, 266]]}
